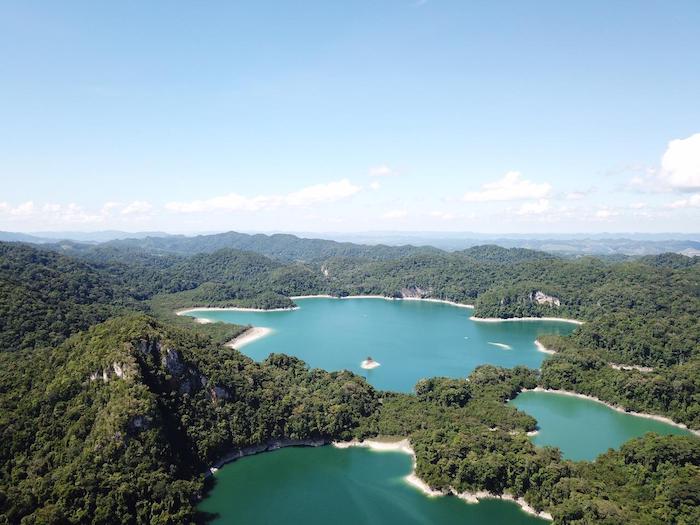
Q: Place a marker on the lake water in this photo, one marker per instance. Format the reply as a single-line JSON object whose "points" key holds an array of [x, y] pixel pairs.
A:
{"points": [[321, 486], [411, 339], [582, 428]]}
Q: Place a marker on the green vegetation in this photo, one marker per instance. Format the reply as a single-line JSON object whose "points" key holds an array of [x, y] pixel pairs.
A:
{"points": [[116, 422], [467, 439]]}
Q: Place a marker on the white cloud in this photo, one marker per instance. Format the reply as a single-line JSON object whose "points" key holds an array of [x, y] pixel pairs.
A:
{"points": [[680, 164], [395, 214], [56, 215], [443, 215], [638, 205], [136, 208], [382, 171], [375, 185], [534, 208], [23, 210], [606, 213], [692, 201], [511, 187], [311, 195]]}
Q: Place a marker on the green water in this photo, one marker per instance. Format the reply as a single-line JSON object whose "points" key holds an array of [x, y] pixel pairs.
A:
{"points": [[340, 487], [582, 428], [411, 339]]}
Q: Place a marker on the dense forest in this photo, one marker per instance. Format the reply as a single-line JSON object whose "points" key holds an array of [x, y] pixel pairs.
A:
{"points": [[111, 407]]}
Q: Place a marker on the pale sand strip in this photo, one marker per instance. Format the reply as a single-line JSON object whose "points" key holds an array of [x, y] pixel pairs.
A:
{"points": [[428, 300], [470, 497], [642, 369], [656, 417], [513, 319], [316, 296], [251, 334], [185, 311], [544, 349], [444, 301]]}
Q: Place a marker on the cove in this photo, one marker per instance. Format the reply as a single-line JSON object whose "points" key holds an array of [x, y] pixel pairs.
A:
{"points": [[344, 487], [411, 340], [583, 428]]}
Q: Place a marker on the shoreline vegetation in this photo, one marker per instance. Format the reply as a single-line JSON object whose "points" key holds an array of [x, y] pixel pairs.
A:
{"points": [[404, 446], [617, 408]]}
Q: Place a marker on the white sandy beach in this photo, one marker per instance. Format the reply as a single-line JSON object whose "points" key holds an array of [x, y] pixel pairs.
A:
{"points": [[514, 319], [412, 479], [232, 309], [317, 296], [427, 300], [543, 349], [252, 334], [656, 417]]}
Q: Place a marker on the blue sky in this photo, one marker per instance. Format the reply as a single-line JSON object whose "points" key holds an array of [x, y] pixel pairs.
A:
{"points": [[520, 116]]}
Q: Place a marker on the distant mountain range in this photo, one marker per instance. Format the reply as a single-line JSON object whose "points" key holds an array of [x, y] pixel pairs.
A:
{"points": [[395, 244]]}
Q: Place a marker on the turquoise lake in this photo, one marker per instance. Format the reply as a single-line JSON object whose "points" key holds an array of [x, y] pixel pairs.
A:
{"points": [[582, 428], [320, 486], [411, 339]]}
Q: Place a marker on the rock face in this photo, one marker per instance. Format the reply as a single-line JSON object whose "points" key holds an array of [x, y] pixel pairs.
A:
{"points": [[540, 297], [115, 370], [414, 292], [219, 393], [172, 361]]}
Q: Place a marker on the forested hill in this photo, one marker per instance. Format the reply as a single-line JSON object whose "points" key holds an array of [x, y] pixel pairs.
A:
{"points": [[282, 247], [115, 422], [45, 297], [118, 424]]}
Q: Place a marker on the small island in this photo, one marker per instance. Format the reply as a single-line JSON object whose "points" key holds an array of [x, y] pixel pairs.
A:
{"points": [[369, 364]]}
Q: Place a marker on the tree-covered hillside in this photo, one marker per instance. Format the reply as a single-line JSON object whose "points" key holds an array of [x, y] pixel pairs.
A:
{"points": [[281, 247], [44, 297], [114, 421], [118, 424]]}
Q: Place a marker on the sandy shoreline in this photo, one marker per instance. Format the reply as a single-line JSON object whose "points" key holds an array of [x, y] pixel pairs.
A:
{"points": [[513, 319], [251, 334], [543, 348], [316, 296], [412, 479], [186, 311], [656, 417], [427, 300]]}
